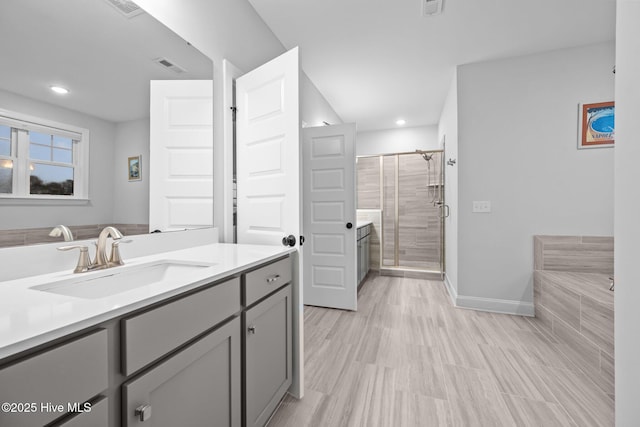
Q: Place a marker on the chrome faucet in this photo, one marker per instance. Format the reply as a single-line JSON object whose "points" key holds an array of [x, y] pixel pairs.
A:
{"points": [[102, 260], [62, 230]]}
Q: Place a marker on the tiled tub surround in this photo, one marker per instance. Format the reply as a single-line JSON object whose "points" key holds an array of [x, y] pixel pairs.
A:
{"points": [[573, 301], [30, 236]]}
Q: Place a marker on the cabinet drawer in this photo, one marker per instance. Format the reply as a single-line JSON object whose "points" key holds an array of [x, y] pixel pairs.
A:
{"points": [[98, 417], [198, 386], [70, 373], [267, 279], [152, 334]]}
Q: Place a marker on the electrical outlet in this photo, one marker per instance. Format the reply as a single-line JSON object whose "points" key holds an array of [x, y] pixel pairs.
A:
{"points": [[481, 206]]}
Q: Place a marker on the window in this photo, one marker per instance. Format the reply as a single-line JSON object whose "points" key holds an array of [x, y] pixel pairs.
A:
{"points": [[41, 159]]}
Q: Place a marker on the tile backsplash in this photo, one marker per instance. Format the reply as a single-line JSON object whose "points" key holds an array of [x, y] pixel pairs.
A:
{"points": [[31, 236]]}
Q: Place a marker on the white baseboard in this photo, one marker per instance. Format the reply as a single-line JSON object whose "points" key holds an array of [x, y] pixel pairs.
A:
{"points": [[503, 306], [453, 295]]}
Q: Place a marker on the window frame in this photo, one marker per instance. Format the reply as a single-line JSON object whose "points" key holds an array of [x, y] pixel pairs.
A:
{"points": [[20, 156]]}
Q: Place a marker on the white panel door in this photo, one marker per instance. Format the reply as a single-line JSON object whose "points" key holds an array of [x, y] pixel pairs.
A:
{"points": [[181, 155], [267, 150], [330, 276], [268, 172]]}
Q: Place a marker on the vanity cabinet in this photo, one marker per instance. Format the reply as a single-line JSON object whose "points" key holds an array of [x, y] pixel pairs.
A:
{"points": [[198, 386], [363, 236], [154, 333], [97, 417], [267, 340], [268, 364], [218, 355], [73, 372]]}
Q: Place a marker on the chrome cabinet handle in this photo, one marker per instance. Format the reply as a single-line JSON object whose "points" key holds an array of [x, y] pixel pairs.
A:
{"points": [[273, 278], [252, 329], [143, 412]]}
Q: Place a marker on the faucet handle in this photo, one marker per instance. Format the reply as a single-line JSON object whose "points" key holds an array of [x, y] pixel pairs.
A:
{"points": [[84, 262], [115, 258]]}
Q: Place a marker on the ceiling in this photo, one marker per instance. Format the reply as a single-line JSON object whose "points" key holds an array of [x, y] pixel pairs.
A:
{"points": [[379, 60], [101, 56]]}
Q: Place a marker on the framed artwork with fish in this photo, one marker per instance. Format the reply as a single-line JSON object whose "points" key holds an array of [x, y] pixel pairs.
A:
{"points": [[596, 125]]}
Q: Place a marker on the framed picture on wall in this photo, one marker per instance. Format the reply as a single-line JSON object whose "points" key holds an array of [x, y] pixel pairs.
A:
{"points": [[596, 125], [135, 171]]}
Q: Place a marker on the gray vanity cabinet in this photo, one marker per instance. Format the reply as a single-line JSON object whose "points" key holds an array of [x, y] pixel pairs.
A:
{"points": [[198, 386], [45, 384], [268, 364]]}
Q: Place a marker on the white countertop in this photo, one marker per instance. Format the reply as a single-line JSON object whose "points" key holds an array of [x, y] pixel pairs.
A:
{"points": [[30, 317]]}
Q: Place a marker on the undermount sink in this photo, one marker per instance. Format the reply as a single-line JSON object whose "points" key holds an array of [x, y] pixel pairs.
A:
{"points": [[115, 280]]}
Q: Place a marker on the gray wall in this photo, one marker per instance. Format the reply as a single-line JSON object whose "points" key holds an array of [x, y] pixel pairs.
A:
{"points": [[517, 148], [397, 140], [99, 209], [131, 198], [627, 208]]}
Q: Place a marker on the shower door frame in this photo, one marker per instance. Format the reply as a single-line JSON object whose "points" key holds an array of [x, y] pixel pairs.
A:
{"points": [[441, 213]]}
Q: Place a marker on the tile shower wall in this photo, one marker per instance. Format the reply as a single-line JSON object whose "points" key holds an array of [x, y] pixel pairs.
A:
{"points": [[419, 239]]}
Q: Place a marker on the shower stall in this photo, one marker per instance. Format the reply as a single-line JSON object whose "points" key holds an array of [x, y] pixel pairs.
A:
{"points": [[408, 189]]}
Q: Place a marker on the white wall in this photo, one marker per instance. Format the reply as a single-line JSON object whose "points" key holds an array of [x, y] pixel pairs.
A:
{"points": [[99, 209], [448, 130], [397, 140], [131, 198], [627, 208], [517, 148], [314, 108]]}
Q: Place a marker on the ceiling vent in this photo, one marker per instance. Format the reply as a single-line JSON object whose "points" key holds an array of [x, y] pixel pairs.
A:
{"points": [[165, 63], [431, 7], [126, 7]]}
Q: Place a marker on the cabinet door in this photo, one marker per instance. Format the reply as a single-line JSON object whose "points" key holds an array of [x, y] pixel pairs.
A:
{"points": [[199, 386], [268, 356], [359, 258]]}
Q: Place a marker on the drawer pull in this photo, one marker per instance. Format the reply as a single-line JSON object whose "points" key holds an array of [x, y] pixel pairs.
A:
{"points": [[252, 329], [143, 412], [273, 278]]}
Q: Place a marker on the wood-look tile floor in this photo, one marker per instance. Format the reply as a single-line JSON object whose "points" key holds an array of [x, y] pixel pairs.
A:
{"points": [[407, 357]]}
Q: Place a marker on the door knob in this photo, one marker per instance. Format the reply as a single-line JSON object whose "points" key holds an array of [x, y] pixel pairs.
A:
{"points": [[349, 225], [290, 240]]}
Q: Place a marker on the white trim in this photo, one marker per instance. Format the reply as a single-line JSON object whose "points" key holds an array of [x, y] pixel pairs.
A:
{"points": [[519, 308], [503, 306], [453, 295]]}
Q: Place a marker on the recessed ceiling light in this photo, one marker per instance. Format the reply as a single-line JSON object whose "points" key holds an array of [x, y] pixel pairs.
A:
{"points": [[60, 90], [401, 122]]}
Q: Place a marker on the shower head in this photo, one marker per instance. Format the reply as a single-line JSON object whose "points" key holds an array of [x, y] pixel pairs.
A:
{"points": [[424, 155]]}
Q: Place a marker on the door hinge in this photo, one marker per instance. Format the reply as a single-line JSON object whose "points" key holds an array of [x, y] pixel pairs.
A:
{"points": [[234, 111]]}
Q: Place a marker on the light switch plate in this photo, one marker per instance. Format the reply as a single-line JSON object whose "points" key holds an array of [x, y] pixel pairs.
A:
{"points": [[482, 206]]}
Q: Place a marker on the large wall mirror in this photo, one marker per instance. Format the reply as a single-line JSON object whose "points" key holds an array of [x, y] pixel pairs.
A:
{"points": [[105, 57]]}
